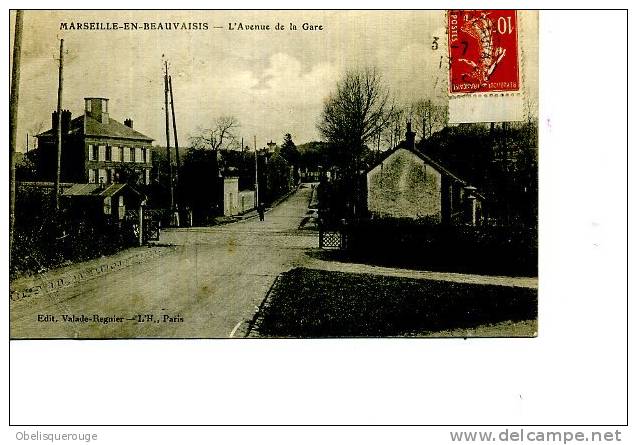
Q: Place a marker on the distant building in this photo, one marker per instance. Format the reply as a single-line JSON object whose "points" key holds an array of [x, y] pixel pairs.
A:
{"points": [[94, 147], [271, 146], [406, 183]]}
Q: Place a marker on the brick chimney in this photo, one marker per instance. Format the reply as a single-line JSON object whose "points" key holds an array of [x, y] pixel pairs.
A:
{"points": [[128, 123], [410, 136], [66, 121], [96, 108]]}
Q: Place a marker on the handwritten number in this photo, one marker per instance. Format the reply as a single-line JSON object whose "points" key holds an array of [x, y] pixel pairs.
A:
{"points": [[465, 44]]}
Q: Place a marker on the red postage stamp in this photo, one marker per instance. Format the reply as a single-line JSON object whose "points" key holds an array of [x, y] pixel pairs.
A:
{"points": [[483, 51]]}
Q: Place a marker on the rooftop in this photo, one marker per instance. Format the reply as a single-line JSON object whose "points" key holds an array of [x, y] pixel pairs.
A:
{"points": [[113, 129], [95, 190]]}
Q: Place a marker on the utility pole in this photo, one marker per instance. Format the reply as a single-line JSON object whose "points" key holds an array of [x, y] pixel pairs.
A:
{"points": [[256, 174], [170, 165], [172, 107], [13, 120], [58, 145]]}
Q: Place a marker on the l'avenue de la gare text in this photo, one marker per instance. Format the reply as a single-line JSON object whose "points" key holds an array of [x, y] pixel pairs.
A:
{"points": [[306, 26]]}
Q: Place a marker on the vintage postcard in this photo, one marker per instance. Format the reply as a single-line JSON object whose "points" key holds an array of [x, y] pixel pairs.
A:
{"points": [[273, 174]]}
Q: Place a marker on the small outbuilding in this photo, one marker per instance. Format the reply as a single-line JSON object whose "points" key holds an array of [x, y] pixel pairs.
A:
{"points": [[102, 202]]}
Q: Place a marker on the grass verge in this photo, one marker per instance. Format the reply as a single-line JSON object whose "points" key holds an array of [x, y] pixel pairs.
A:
{"points": [[308, 303]]}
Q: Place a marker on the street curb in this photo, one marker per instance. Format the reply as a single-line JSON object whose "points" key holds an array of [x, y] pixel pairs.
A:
{"points": [[249, 331]]}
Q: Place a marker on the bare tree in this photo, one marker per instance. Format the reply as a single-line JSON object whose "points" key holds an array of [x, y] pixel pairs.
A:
{"points": [[222, 134], [36, 128], [394, 130], [427, 117], [356, 113]]}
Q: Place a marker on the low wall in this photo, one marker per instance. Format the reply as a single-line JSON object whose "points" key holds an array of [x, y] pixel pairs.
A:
{"points": [[246, 201]]}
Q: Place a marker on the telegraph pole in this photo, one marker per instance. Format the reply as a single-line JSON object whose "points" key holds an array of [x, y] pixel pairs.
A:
{"points": [[58, 145], [170, 165], [13, 120], [172, 107], [256, 175]]}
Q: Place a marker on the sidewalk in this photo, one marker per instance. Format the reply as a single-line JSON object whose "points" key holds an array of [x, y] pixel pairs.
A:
{"points": [[252, 213], [337, 266]]}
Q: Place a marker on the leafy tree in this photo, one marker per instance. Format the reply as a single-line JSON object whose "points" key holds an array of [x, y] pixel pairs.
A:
{"points": [[274, 177], [501, 161], [198, 188], [314, 154], [289, 151], [26, 166]]}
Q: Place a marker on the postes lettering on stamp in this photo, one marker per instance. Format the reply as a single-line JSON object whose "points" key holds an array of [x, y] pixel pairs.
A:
{"points": [[483, 51]]}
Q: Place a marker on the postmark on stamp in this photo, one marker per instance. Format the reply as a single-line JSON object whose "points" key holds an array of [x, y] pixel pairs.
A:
{"points": [[483, 51]]}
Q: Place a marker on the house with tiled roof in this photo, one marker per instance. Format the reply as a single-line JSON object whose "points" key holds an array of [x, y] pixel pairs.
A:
{"points": [[95, 147]]}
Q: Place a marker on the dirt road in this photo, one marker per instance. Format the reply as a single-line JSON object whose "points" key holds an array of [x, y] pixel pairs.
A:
{"points": [[209, 286]]}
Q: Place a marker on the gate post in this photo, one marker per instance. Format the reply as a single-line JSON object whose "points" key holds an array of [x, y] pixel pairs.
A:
{"points": [[140, 218]]}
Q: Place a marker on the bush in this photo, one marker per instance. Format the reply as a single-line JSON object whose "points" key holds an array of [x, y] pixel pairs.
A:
{"points": [[505, 250], [44, 239]]}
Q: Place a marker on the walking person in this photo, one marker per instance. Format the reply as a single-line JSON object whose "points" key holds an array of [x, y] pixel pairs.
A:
{"points": [[261, 212]]}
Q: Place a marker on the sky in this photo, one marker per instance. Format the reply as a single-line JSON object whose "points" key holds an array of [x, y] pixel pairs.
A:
{"points": [[274, 82]]}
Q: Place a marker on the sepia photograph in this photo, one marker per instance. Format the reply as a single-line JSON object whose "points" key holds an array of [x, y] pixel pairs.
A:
{"points": [[273, 174]]}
